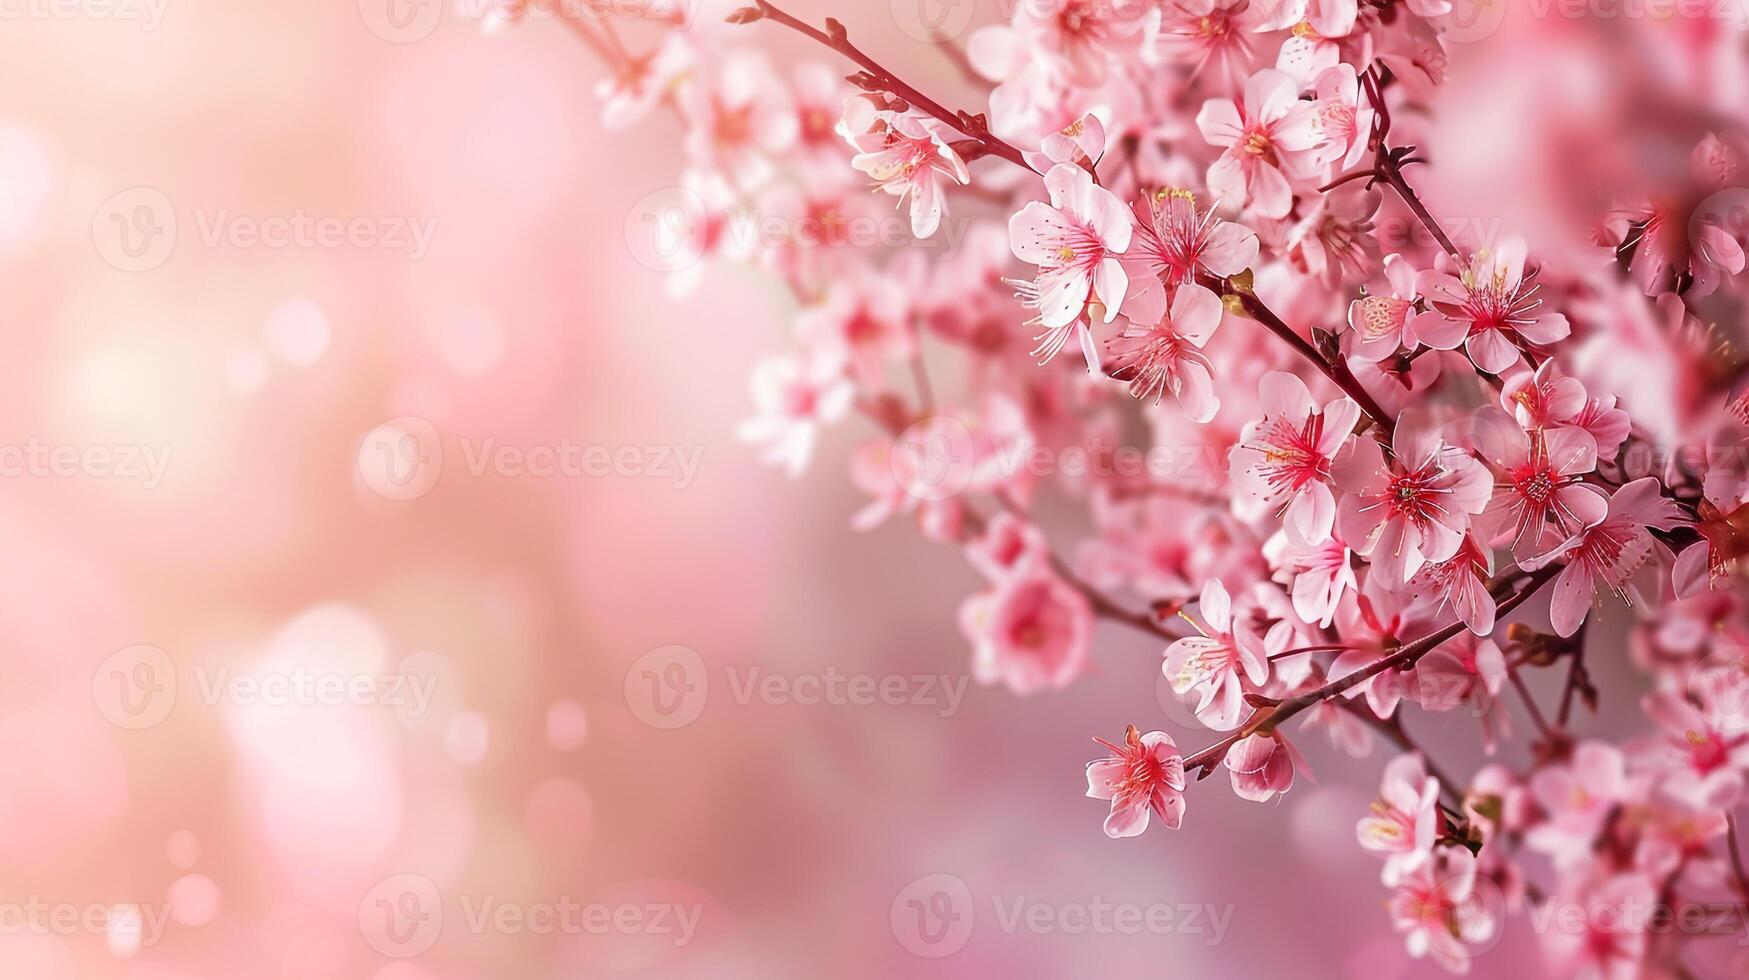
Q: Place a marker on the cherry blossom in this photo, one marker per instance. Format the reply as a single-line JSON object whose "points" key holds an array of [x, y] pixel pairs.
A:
{"points": [[1288, 456], [906, 156], [1175, 243], [1031, 632], [1415, 509], [1439, 909], [1405, 819], [1076, 241], [1607, 552], [1493, 310], [1271, 141], [1143, 775], [795, 396], [1167, 356], [1218, 662]]}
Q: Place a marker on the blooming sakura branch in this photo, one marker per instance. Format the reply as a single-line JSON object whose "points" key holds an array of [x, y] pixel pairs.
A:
{"points": [[1438, 474]]}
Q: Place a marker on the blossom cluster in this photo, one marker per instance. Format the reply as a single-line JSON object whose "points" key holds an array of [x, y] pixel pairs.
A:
{"points": [[1407, 445]]}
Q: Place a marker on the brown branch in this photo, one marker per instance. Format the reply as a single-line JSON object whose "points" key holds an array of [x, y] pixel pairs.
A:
{"points": [[974, 127], [1267, 719]]}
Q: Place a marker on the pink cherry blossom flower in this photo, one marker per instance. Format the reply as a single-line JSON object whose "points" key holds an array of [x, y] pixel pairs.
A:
{"points": [[875, 469], [738, 121], [1347, 731], [1329, 18], [1032, 633], [1373, 625], [1075, 241], [1143, 775], [1009, 546], [1678, 237], [1167, 356], [1336, 240], [1320, 574], [795, 395], [1174, 244], [818, 102], [1080, 144], [1384, 323], [1611, 940], [1541, 499], [1405, 819], [1343, 119], [1466, 669], [1703, 743], [907, 156], [1439, 909], [1211, 32], [1607, 552], [1492, 310], [1414, 510], [1218, 662], [1270, 142], [1262, 766], [1286, 458], [642, 82], [1576, 799], [865, 314], [1547, 398], [1462, 582], [1082, 37]]}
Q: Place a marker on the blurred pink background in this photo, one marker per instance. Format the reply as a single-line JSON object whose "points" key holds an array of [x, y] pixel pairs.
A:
{"points": [[205, 510]]}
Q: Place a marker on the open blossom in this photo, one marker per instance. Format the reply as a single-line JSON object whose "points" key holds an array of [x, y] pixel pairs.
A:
{"points": [[1219, 662], [1080, 143], [907, 156], [1541, 499], [1611, 939], [1167, 355], [1461, 581], [1384, 323], [1262, 766], [1405, 818], [865, 314], [1687, 235], [642, 82], [1031, 632], [1548, 399], [739, 121], [795, 395], [1343, 119], [1606, 553], [1009, 546], [1576, 799], [1174, 244], [1414, 510], [1439, 909], [1492, 310], [1076, 241], [1321, 575], [1287, 457], [1143, 775], [1465, 670], [1270, 142], [1082, 38], [1703, 741]]}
